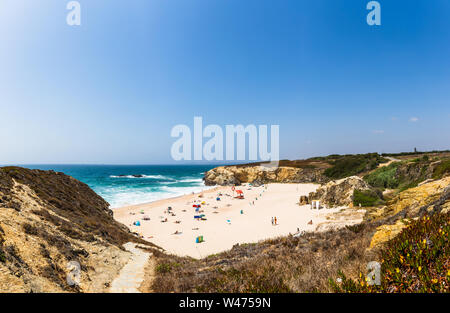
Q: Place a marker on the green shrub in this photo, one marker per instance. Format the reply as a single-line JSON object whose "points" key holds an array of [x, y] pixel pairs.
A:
{"points": [[408, 185], [166, 267], [348, 165], [442, 169], [417, 260], [384, 177], [366, 198], [414, 153]]}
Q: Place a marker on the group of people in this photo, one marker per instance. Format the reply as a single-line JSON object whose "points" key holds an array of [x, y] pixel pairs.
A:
{"points": [[274, 221]]}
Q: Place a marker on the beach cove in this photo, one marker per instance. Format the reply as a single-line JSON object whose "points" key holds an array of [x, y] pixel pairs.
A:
{"points": [[225, 222]]}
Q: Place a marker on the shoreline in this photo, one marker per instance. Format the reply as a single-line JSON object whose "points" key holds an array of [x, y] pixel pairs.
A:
{"points": [[164, 199], [227, 221]]}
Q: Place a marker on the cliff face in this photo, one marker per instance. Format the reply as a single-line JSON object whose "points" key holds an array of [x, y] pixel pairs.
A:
{"points": [[236, 175], [339, 192], [428, 197], [432, 197], [49, 219]]}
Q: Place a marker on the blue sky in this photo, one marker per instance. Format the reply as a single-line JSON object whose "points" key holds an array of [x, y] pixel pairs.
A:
{"points": [[110, 90]]}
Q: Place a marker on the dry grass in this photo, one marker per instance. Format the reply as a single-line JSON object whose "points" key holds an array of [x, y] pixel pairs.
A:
{"points": [[285, 264]]}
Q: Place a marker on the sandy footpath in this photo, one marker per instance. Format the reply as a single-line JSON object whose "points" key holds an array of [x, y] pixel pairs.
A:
{"points": [[225, 225], [131, 275]]}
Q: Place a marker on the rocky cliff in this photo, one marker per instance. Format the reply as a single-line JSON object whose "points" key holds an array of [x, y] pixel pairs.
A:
{"points": [[236, 175], [49, 223], [429, 198], [339, 192]]}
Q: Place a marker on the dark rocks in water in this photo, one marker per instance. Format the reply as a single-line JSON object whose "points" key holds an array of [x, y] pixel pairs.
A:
{"points": [[135, 175]]}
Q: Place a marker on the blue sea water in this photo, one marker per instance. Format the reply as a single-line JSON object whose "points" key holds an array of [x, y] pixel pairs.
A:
{"points": [[122, 185]]}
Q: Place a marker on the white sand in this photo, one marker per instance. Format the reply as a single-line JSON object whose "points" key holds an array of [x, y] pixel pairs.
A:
{"points": [[280, 200]]}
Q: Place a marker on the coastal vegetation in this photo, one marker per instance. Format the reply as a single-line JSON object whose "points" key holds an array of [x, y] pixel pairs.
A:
{"points": [[442, 169], [416, 153], [416, 260], [348, 165], [407, 233], [48, 219], [313, 170], [366, 198], [409, 173], [387, 171], [284, 264], [384, 177]]}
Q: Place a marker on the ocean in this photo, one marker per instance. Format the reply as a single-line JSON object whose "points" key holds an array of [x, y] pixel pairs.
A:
{"points": [[122, 185]]}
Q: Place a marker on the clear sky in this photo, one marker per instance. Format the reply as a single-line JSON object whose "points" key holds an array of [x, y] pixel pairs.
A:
{"points": [[110, 90]]}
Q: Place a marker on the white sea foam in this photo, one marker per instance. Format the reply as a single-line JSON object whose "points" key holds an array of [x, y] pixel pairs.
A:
{"points": [[119, 197], [191, 180]]}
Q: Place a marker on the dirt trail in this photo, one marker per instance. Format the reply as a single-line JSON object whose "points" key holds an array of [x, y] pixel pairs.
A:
{"points": [[391, 160], [132, 274]]}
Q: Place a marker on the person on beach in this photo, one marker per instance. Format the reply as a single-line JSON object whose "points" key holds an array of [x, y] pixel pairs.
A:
{"points": [[275, 220], [272, 220]]}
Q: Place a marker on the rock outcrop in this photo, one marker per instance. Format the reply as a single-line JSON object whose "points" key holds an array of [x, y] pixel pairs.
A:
{"points": [[339, 192], [303, 200], [429, 198], [385, 233], [412, 202], [49, 223], [236, 175]]}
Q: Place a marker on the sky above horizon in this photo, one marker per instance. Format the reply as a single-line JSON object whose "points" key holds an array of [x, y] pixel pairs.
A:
{"points": [[110, 91]]}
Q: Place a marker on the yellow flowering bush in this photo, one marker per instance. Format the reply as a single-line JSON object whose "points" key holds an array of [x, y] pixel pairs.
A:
{"points": [[417, 260]]}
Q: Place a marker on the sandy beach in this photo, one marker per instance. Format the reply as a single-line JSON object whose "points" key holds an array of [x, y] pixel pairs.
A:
{"points": [[227, 222]]}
